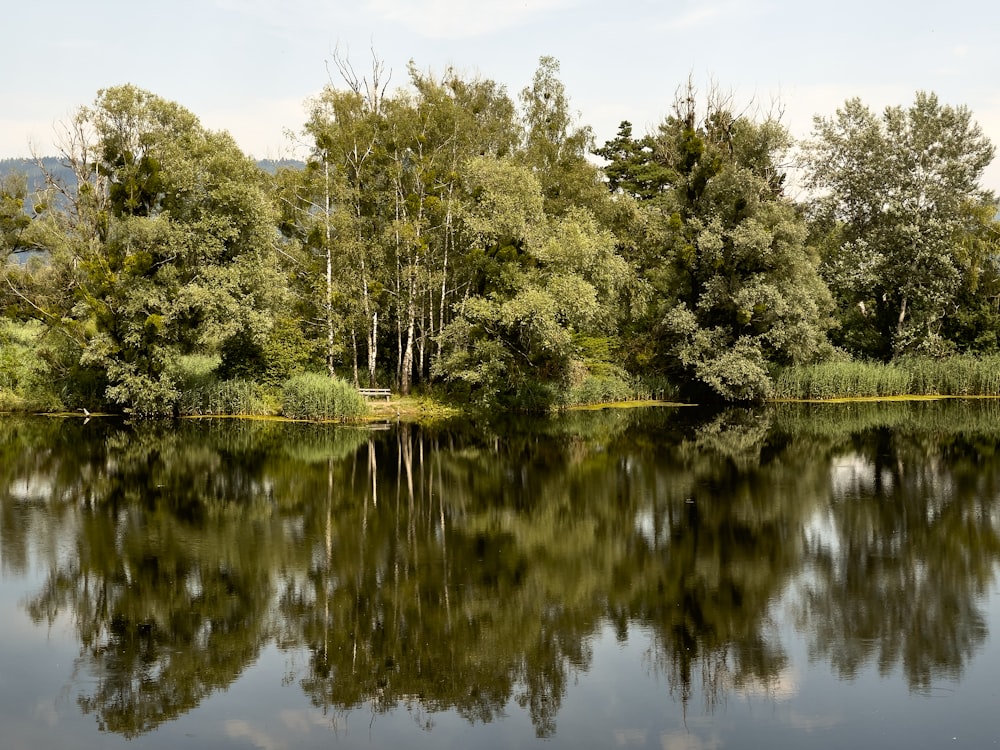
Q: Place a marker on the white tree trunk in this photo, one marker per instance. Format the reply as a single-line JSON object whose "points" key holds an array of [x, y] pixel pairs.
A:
{"points": [[329, 275]]}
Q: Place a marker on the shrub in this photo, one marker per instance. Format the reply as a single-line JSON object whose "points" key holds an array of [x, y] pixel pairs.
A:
{"points": [[655, 388], [192, 371], [736, 374]]}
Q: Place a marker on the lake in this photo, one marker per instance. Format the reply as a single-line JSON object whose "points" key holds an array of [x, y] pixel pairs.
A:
{"points": [[819, 576]]}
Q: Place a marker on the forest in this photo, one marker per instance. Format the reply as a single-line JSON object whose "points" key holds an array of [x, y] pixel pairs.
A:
{"points": [[447, 238]]}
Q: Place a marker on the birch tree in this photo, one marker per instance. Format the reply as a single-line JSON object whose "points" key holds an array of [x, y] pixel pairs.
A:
{"points": [[346, 126]]}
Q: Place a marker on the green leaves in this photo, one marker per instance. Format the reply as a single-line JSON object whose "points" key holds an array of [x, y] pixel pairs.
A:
{"points": [[559, 277], [895, 197], [738, 286], [170, 246], [14, 221], [437, 233], [506, 203]]}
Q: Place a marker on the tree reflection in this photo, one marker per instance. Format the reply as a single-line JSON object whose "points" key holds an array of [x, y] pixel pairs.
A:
{"points": [[469, 568], [486, 566], [415, 595], [721, 540], [167, 606], [912, 550]]}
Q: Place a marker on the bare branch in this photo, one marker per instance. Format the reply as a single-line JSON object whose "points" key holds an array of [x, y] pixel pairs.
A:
{"points": [[372, 90]]}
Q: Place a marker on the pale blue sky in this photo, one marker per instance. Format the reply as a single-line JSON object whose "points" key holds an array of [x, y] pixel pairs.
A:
{"points": [[248, 66]]}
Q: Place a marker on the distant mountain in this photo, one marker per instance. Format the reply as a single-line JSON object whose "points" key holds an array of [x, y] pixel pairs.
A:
{"points": [[54, 166], [271, 166], [34, 170]]}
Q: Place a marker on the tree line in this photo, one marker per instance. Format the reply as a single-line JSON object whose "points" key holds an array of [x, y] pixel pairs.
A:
{"points": [[446, 235]]}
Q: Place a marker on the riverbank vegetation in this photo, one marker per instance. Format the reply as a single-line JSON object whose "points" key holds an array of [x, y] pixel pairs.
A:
{"points": [[448, 238], [961, 375]]}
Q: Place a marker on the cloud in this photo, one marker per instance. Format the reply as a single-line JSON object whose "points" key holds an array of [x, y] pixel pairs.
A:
{"points": [[239, 729], [782, 687], [453, 19], [45, 710], [987, 115], [36, 126], [805, 101], [21, 138], [812, 722], [688, 741], [695, 17]]}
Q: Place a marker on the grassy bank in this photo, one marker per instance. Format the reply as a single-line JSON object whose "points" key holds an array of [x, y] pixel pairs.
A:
{"points": [[28, 384], [954, 376]]}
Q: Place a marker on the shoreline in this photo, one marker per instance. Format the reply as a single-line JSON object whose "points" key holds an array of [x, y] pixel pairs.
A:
{"points": [[422, 409]]}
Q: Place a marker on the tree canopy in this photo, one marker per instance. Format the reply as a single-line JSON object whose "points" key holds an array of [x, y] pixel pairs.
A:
{"points": [[904, 219]]}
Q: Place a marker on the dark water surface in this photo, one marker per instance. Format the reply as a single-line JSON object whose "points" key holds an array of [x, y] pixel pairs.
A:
{"points": [[794, 576]]}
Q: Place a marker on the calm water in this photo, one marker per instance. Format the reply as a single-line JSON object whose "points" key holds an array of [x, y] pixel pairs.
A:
{"points": [[796, 576]]}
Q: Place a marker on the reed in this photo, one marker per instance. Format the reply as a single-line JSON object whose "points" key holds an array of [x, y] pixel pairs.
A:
{"points": [[316, 396], [26, 383], [601, 389], [228, 397], [910, 376]]}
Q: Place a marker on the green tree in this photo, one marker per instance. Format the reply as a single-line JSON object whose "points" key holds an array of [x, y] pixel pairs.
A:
{"points": [[436, 130], [973, 322], [899, 198], [166, 248], [555, 148], [632, 168], [310, 224], [383, 206], [735, 288], [539, 281], [346, 127], [464, 119], [14, 219]]}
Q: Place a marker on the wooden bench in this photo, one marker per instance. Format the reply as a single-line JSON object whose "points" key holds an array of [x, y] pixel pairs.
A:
{"points": [[375, 393]]}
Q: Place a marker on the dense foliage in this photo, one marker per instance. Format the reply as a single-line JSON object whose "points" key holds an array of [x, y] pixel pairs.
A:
{"points": [[909, 235], [445, 235]]}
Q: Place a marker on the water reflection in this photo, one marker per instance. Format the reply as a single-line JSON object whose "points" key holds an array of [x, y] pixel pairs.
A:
{"points": [[471, 568], [911, 553]]}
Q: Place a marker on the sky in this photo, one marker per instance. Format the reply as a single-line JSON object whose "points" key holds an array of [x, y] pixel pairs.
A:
{"points": [[250, 66]]}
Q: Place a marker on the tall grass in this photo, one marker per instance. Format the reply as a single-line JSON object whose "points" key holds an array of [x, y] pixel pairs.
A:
{"points": [[314, 395], [26, 383], [600, 389], [912, 376], [202, 393], [956, 376], [230, 397]]}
